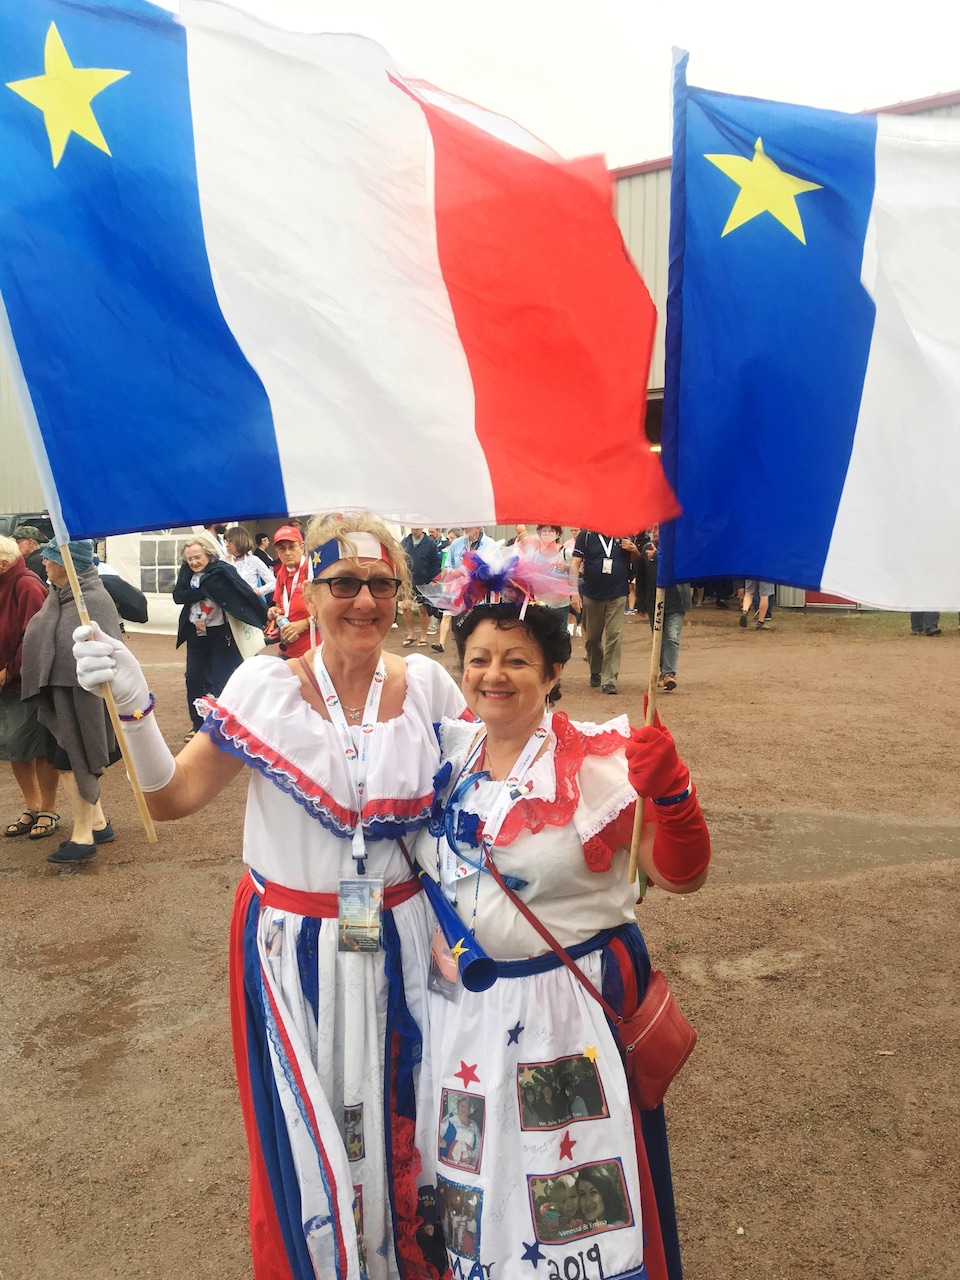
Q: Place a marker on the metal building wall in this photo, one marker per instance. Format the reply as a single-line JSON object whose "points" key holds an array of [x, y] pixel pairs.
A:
{"points": [[642, 206], [19, 486]]}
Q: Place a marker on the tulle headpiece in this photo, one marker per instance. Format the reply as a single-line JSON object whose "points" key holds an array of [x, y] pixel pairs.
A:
{"points": [[490, 578]]}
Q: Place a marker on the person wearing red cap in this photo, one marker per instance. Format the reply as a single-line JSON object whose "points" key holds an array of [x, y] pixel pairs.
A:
{"points": [[288, 610]]}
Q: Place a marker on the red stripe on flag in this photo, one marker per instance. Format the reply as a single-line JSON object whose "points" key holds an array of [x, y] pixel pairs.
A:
{"points": [[557, 328]]}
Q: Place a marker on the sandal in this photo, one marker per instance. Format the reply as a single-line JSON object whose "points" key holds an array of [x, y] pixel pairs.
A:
{"points": [[421, 644], [23, 823], [408, 642], [437, 648], [40, 828]]}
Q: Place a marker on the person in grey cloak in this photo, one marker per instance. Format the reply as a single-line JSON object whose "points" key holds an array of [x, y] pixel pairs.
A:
{"points": [[80, 742]]}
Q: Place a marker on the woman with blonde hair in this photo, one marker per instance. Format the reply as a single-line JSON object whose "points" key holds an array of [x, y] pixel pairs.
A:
{"points": [[209, 589], [342, 751]]}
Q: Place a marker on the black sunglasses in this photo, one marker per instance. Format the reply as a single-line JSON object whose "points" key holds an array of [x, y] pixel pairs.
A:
{"points": [[347, 588]]}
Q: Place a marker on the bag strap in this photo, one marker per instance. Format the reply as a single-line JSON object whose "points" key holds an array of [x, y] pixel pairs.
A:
{"points": [[552, 943], [543, 931]]}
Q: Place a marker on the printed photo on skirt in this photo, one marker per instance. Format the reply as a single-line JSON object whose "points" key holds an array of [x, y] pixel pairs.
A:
{"points": [[554, 1094], [460, 1141], [353, 1131], [583, 1201], [442, 976], [461, 1209]]}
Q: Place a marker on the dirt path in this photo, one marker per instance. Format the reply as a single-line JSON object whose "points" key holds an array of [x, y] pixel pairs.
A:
{"points": [[815, 1132]]}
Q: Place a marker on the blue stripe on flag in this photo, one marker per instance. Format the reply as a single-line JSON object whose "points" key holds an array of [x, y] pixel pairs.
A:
{"points": [[106, 281], [768, 336]]}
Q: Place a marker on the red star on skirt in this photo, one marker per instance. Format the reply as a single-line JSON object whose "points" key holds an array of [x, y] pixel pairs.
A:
{"points": [[566, 1146], [467, 1074]]}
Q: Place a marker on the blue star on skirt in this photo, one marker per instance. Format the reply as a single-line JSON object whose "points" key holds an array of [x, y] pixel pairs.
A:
{"points": [[532, 1253], [513, 1034]]}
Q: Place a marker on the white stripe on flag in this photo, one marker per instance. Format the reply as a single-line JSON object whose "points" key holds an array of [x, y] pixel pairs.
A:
{"points": [[361, 325], [897, 531]]}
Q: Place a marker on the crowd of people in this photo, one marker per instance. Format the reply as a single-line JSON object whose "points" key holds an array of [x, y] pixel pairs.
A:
{"points": [[230, 586], [56, 736]]}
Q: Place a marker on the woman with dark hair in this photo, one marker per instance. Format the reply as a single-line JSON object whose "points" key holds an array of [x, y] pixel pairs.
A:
{"points": [[549, 803], [251, 567], [600, 1193]]}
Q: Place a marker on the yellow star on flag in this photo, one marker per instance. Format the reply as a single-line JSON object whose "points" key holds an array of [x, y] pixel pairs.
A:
{"points": [[591, 1052], [64, 93], [458, 950], [764, 188]]}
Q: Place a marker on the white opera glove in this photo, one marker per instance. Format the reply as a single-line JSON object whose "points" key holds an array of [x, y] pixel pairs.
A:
{"points": [[102, 660]]}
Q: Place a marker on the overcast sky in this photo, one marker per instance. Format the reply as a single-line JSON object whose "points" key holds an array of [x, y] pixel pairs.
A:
{"points": [[594, 75]]}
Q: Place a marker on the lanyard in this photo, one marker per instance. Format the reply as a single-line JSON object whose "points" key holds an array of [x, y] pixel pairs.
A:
{"points": [[456, 866], [607, 545], [358, 763], [293, 586]]}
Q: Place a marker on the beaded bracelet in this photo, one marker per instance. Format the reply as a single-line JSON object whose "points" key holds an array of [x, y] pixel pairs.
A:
{"points": [[139, 715], [677, 799]]}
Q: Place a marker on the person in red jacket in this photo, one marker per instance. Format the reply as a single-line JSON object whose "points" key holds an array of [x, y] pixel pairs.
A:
{"points": [[288, 611], [22, 740]]}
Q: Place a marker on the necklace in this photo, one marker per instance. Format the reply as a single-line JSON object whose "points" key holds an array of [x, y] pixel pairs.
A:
{"points": [[353, 712]]}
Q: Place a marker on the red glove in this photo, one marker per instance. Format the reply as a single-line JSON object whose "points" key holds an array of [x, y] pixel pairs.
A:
{"points": [[655, 768], [681, 849], [681, 846]]}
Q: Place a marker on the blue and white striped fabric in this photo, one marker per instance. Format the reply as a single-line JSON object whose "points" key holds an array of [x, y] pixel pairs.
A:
{"points": [[812, 411]]}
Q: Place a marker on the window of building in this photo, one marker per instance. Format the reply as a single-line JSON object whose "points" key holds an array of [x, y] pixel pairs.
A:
{"points": [[161, 554]]}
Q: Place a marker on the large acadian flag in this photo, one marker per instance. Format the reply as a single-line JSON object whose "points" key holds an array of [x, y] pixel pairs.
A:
{"points": [[248, 271], [812, 409]]}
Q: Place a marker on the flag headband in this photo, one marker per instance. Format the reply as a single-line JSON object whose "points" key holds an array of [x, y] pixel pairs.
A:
{"points": [[368, 547], [489, 578]]}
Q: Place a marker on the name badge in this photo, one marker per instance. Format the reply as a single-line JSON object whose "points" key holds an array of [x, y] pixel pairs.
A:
{"points": [[607, 566], [359, 914]]}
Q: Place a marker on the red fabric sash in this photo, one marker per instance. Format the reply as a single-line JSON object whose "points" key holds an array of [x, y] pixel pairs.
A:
{"points": [[323, 906]]}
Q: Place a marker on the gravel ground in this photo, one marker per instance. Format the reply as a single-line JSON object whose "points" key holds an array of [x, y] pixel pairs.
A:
{"points": [[815, 1131]]}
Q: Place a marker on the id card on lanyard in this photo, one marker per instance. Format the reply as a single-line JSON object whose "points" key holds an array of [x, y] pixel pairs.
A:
{"points": [[607, 545], [359, 902]]}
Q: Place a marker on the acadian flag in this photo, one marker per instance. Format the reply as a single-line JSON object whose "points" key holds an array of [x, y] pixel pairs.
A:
{"points": [[812, 409], [255, 271]]}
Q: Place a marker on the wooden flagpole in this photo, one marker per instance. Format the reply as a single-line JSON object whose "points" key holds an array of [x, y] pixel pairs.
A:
{"points": [[111, 703], [651, 713]]}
